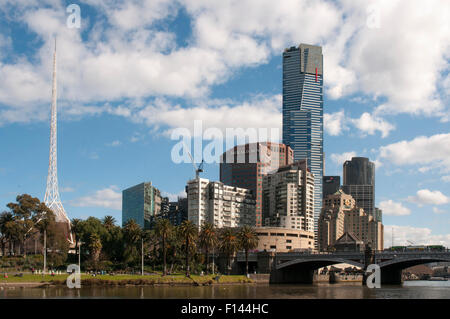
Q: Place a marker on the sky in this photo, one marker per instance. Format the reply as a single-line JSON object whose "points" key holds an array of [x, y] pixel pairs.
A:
{"points": [[136, 71]]}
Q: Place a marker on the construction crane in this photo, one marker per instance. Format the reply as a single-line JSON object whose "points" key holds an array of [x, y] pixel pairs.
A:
{"points": [[198, 169]]}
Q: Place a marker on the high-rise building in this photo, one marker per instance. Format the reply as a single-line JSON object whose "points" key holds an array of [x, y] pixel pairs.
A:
{"points": [[288, 197], [341, 214], [176, 212], [245, 165], [331, 184], [359, 181], [378, 215], [303, 111], [142, 203], [219, 204]]}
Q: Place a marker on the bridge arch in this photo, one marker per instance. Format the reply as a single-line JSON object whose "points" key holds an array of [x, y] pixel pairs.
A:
{"points": [[316, 263], [391, 270], [301, 270]]}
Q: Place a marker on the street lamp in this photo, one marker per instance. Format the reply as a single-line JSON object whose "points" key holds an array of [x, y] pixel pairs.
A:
{"points": [[45, 251], [79, 256]]}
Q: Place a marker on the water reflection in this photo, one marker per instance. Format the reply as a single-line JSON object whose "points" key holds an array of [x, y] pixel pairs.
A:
{"points": [[416, 289]]}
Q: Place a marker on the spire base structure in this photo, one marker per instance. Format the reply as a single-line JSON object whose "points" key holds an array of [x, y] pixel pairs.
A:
{"points": [[51, 198]]}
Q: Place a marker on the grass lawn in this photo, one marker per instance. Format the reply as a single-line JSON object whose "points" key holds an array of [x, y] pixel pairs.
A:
{"points": [[130, 279]]}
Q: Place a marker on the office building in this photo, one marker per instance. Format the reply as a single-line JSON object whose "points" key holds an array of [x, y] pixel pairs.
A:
{"points": [[219, 204], [359, 181], [378, 215], [341, 214], [245, 165], [141, 203], [303, 111], [331, 184], [175, 212], [288, 197], [178, 211]]}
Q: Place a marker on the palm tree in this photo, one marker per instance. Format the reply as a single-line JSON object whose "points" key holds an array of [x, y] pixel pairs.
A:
{"points": [[95, 247], [77, 229], [109, 222], [189, 233], [163, 230], [229, 244], [132, 237], [208, 239], [248, 239]]}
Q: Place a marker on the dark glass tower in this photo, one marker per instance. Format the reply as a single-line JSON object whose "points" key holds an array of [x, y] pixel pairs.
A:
{"points": [[142, 203], [359, 181], [303, 111]]}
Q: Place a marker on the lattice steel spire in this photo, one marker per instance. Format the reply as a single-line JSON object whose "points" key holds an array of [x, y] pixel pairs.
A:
{"points": [[52, 199]]}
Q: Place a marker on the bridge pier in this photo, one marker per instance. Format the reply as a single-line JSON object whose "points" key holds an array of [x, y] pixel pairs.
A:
{"points": [[391, 276], [292, 276]]}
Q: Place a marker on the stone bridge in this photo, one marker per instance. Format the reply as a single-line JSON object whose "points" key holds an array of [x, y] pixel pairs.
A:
{"points": [[300, 267]]}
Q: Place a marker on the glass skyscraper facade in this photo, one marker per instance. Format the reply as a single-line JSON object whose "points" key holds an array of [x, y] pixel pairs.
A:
{"points": [[141, 203], [303, 111], [359, 181]]}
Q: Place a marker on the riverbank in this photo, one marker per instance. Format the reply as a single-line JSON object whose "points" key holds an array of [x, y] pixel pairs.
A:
{"points": [[29, 280]]}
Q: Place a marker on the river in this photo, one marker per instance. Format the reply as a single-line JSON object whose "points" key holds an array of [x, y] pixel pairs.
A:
{"points": [[409, 290]]}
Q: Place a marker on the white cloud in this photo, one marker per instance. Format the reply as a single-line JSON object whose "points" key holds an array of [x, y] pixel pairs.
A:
{"points": [[425, 196], [446, 178], [339, 159], [438, 211], [66, 189], [265, 113], [174, 197], [125, 43], [108, 197], [369, 124], [433, 151], [114, 143], [334, 123], [392, 208], [416, 235]]}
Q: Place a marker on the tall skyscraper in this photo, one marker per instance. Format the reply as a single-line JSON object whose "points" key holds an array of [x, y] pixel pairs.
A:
{"points": [[245, 165], [51, 198], [359, 181], [303, 111], [142, 203]]}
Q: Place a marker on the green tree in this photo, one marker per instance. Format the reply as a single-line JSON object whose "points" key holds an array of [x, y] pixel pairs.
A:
{"points": [[132, 238], [163, 229], [229, 244], [189, 233], [27, 211], [248, 239], [109, 222], [95, 248], [207, 240], [6, 235], [77, 229]]}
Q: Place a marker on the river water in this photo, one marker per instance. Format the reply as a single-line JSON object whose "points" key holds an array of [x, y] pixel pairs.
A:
{"points": [[409, 290]]}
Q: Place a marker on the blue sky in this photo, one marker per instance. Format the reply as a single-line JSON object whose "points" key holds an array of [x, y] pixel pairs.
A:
{"points": [[136, 70]]}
